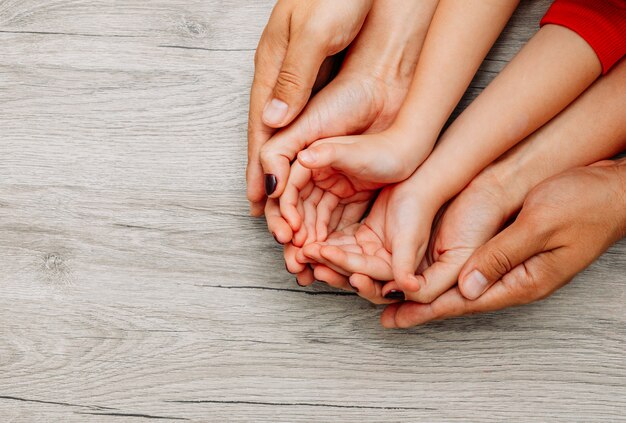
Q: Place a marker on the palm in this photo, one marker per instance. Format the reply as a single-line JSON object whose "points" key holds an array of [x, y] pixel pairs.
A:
{"points": [[352, 103]]}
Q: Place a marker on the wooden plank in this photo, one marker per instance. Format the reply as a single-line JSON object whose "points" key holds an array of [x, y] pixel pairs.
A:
{"points": [[135, 286]]}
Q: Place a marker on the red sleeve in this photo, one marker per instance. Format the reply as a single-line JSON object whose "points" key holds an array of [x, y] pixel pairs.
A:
{"points": [[602, 23]]}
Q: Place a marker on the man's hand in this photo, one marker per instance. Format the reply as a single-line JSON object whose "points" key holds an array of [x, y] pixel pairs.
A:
{"points": [[299, 36], [565, 224]]}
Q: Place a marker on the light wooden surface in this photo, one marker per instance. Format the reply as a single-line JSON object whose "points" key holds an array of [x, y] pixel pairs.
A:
{"points": [[134, 286]]}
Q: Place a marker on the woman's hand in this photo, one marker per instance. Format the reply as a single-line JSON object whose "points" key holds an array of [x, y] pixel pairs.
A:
{"points": [[366, 94], [390, 243], [299, 36], [565, 224]]}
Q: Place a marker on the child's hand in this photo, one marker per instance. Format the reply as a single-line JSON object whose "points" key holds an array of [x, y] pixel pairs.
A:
{"points": [[469, 221], [314, 208], [306, 271], [389, 244], [566, 223]]}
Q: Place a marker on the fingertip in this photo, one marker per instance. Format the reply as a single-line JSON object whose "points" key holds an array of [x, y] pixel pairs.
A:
{"points": [[305, 278], [473, 285], [388, 316], [330, 252], [275, 113], [308, 157], [257, 209], [407, 282], [408, 315]]}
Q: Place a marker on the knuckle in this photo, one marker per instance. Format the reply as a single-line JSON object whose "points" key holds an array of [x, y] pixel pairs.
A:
{"points": [[497, 262], [266, 154], [290, 82]]}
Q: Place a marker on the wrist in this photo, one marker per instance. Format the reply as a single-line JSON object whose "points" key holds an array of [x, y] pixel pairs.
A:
{"points": [[508, 182], [390, 41]]}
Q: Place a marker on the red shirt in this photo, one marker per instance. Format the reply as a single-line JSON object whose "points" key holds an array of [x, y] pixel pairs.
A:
{"points": [[602, 23]]}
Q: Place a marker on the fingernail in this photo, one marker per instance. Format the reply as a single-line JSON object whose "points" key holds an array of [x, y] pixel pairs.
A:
{"points": [[299, 284], [270, 184], [394, 295], [353, 287], [276, 239], [287, 269], [275, 112], [475, 284], [308, 156]]}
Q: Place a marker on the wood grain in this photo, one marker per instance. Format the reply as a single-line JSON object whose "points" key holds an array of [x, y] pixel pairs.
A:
{"points": [[134, 286]]}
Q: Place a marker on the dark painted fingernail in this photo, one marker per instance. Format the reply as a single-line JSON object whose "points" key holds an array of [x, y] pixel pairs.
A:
{"points": [[395, 295], [287, 268], [270, 184], [353, 287], [276, 238], [299, 284]]}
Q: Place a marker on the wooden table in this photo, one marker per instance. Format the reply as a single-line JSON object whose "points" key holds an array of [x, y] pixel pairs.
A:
{"points": [[134, 286]]}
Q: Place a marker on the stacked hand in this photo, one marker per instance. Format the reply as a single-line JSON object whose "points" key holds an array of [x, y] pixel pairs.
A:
{"points": [[349, 186]]}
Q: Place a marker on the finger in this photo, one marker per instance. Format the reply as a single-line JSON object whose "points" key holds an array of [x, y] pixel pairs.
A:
{"points": [[341, 153], [369, 289], [299, 178], [519, 286], [325, 208], [313, 251], [497, 257], [406, 254], [305, 278], [269, 56], [310, 214], [300, 236], [434, 281], [332, 278], [372, 266], [278, 227], [291, 263], [303, 59]]}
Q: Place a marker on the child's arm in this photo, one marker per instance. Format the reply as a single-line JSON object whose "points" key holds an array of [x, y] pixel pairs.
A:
{"points": [[549, 73], [460, 35]]}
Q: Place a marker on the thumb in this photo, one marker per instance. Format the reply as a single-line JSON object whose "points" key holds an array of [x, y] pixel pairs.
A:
{"points": [[499, 256], [295, 81], [405, 258], [343, 156]]}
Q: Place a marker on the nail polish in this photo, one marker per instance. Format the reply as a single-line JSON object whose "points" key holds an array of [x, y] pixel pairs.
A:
{"points": [[394, 295], [299, 284], [276, 238], [270, 184]]}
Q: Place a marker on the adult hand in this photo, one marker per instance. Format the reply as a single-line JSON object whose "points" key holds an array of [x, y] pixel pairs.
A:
{"points": [[299, 36], [565, 224], [469, 221]]}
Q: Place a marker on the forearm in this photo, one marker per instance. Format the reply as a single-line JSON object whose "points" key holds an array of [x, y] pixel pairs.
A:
{"points": [[460, 36], [391, 38], [590, 129], [548, 74], [621, 175]]}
